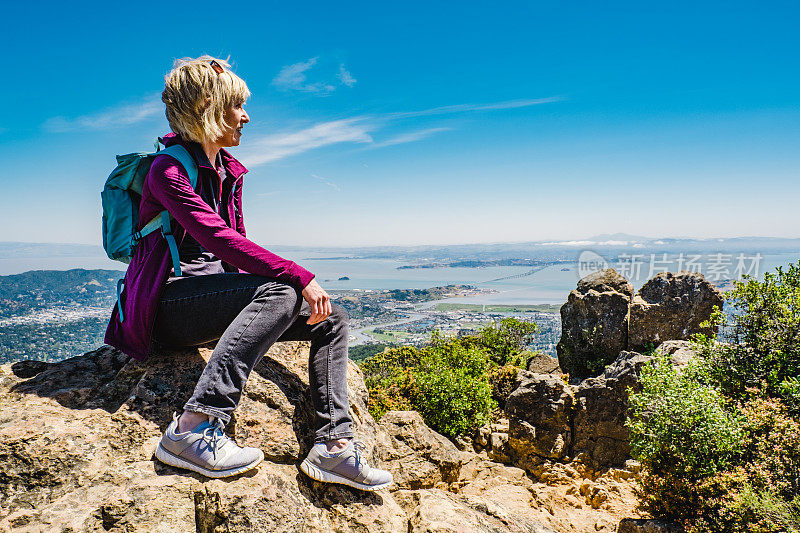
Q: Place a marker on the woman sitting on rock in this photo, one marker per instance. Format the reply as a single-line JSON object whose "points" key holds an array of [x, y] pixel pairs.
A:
{"points": [[230, 290]]}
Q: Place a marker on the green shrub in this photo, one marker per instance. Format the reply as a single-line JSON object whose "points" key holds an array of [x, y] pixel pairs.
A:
{"points": [[391, 398], [760, 511], [506, 341], [389, 380], [790, 391], [455, 383], [384, 369], [680, 425], [773, 447], [719, 442], [717, 468], [365, 351], [447, 382], [452, 390], [764, 333], [728, 503], [503, 380]]}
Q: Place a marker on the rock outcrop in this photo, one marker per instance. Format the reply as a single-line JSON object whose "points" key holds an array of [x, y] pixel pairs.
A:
{"points": [[601, 436], [550, 419], [417, 456], [594, 323], [540, 418], [77, 440], [671, 307], [602, 317]]}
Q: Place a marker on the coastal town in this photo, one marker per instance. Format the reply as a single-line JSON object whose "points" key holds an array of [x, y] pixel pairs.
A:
{"points": [[409, 316], [53, 315]]}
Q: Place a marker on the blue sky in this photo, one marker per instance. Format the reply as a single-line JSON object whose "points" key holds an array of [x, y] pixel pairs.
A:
{"points": [[425, 123]]}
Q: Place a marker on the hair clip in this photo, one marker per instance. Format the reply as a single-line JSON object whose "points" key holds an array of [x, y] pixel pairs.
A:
{"points": [[217, 67]]}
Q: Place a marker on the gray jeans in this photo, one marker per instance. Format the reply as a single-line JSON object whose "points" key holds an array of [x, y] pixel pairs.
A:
{"points": [[249, 313]]}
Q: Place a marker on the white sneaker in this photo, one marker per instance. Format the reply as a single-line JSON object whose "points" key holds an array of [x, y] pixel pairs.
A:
{"points": [[346, 467], [206, 449]]}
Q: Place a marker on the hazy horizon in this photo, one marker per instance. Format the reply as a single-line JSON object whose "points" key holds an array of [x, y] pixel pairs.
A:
{"points": [[473, 243]]}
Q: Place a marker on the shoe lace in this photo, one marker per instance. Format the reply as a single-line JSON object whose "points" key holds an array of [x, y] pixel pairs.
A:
{"points": [[359, 448], [215, 435]]}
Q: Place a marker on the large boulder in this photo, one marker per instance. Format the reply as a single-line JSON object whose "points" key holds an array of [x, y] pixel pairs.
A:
{"points": [[77, 440], [601, 437], [594, 323], [602, 317], [671, 307], [539, 413]]}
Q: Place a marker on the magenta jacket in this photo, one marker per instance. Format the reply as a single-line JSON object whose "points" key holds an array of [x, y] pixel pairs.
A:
{"points": [[167, 187]]}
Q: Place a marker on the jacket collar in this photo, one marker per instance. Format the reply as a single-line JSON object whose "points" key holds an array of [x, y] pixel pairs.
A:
{"points": [[235, 169]]}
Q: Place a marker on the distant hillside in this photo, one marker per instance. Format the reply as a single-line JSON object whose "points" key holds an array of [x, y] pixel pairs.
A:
{"points": [[54, 314], [618, 237], [611, 246], [39, 289]]}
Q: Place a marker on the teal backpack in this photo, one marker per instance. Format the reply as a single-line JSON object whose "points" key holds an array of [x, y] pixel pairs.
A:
{"points": [[121, 196]]}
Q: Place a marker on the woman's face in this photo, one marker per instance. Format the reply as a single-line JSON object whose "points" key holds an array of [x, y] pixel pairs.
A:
{"points": [[236, 117]]}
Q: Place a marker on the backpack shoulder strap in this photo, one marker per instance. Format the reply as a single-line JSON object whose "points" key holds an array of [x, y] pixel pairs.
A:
{"points": [[188, 163], [185, 159]]}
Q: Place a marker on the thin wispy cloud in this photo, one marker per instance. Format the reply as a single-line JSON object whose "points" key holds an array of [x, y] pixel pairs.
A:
{"points": [[327, 182], [468, 108], [409, 137], [295, 77], [345, 77], [279, 145], [360, 130], [112, 117]]}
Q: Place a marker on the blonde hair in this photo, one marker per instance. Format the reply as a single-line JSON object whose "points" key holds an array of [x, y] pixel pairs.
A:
{"points": [[197, 96]]}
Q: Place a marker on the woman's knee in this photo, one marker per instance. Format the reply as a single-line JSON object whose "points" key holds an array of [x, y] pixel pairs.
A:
{"points": [[281, 297], [338, 315]]}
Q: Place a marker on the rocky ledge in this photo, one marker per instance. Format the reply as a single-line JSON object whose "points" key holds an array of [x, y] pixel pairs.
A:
{"points": [[77, 440], [77, 437]]}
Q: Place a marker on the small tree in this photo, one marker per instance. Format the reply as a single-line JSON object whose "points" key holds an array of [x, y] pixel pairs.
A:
{"points": [[452, 392]]}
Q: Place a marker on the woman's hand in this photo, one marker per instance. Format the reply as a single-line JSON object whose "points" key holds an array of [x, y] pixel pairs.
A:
{"points": [[319, 301]]}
